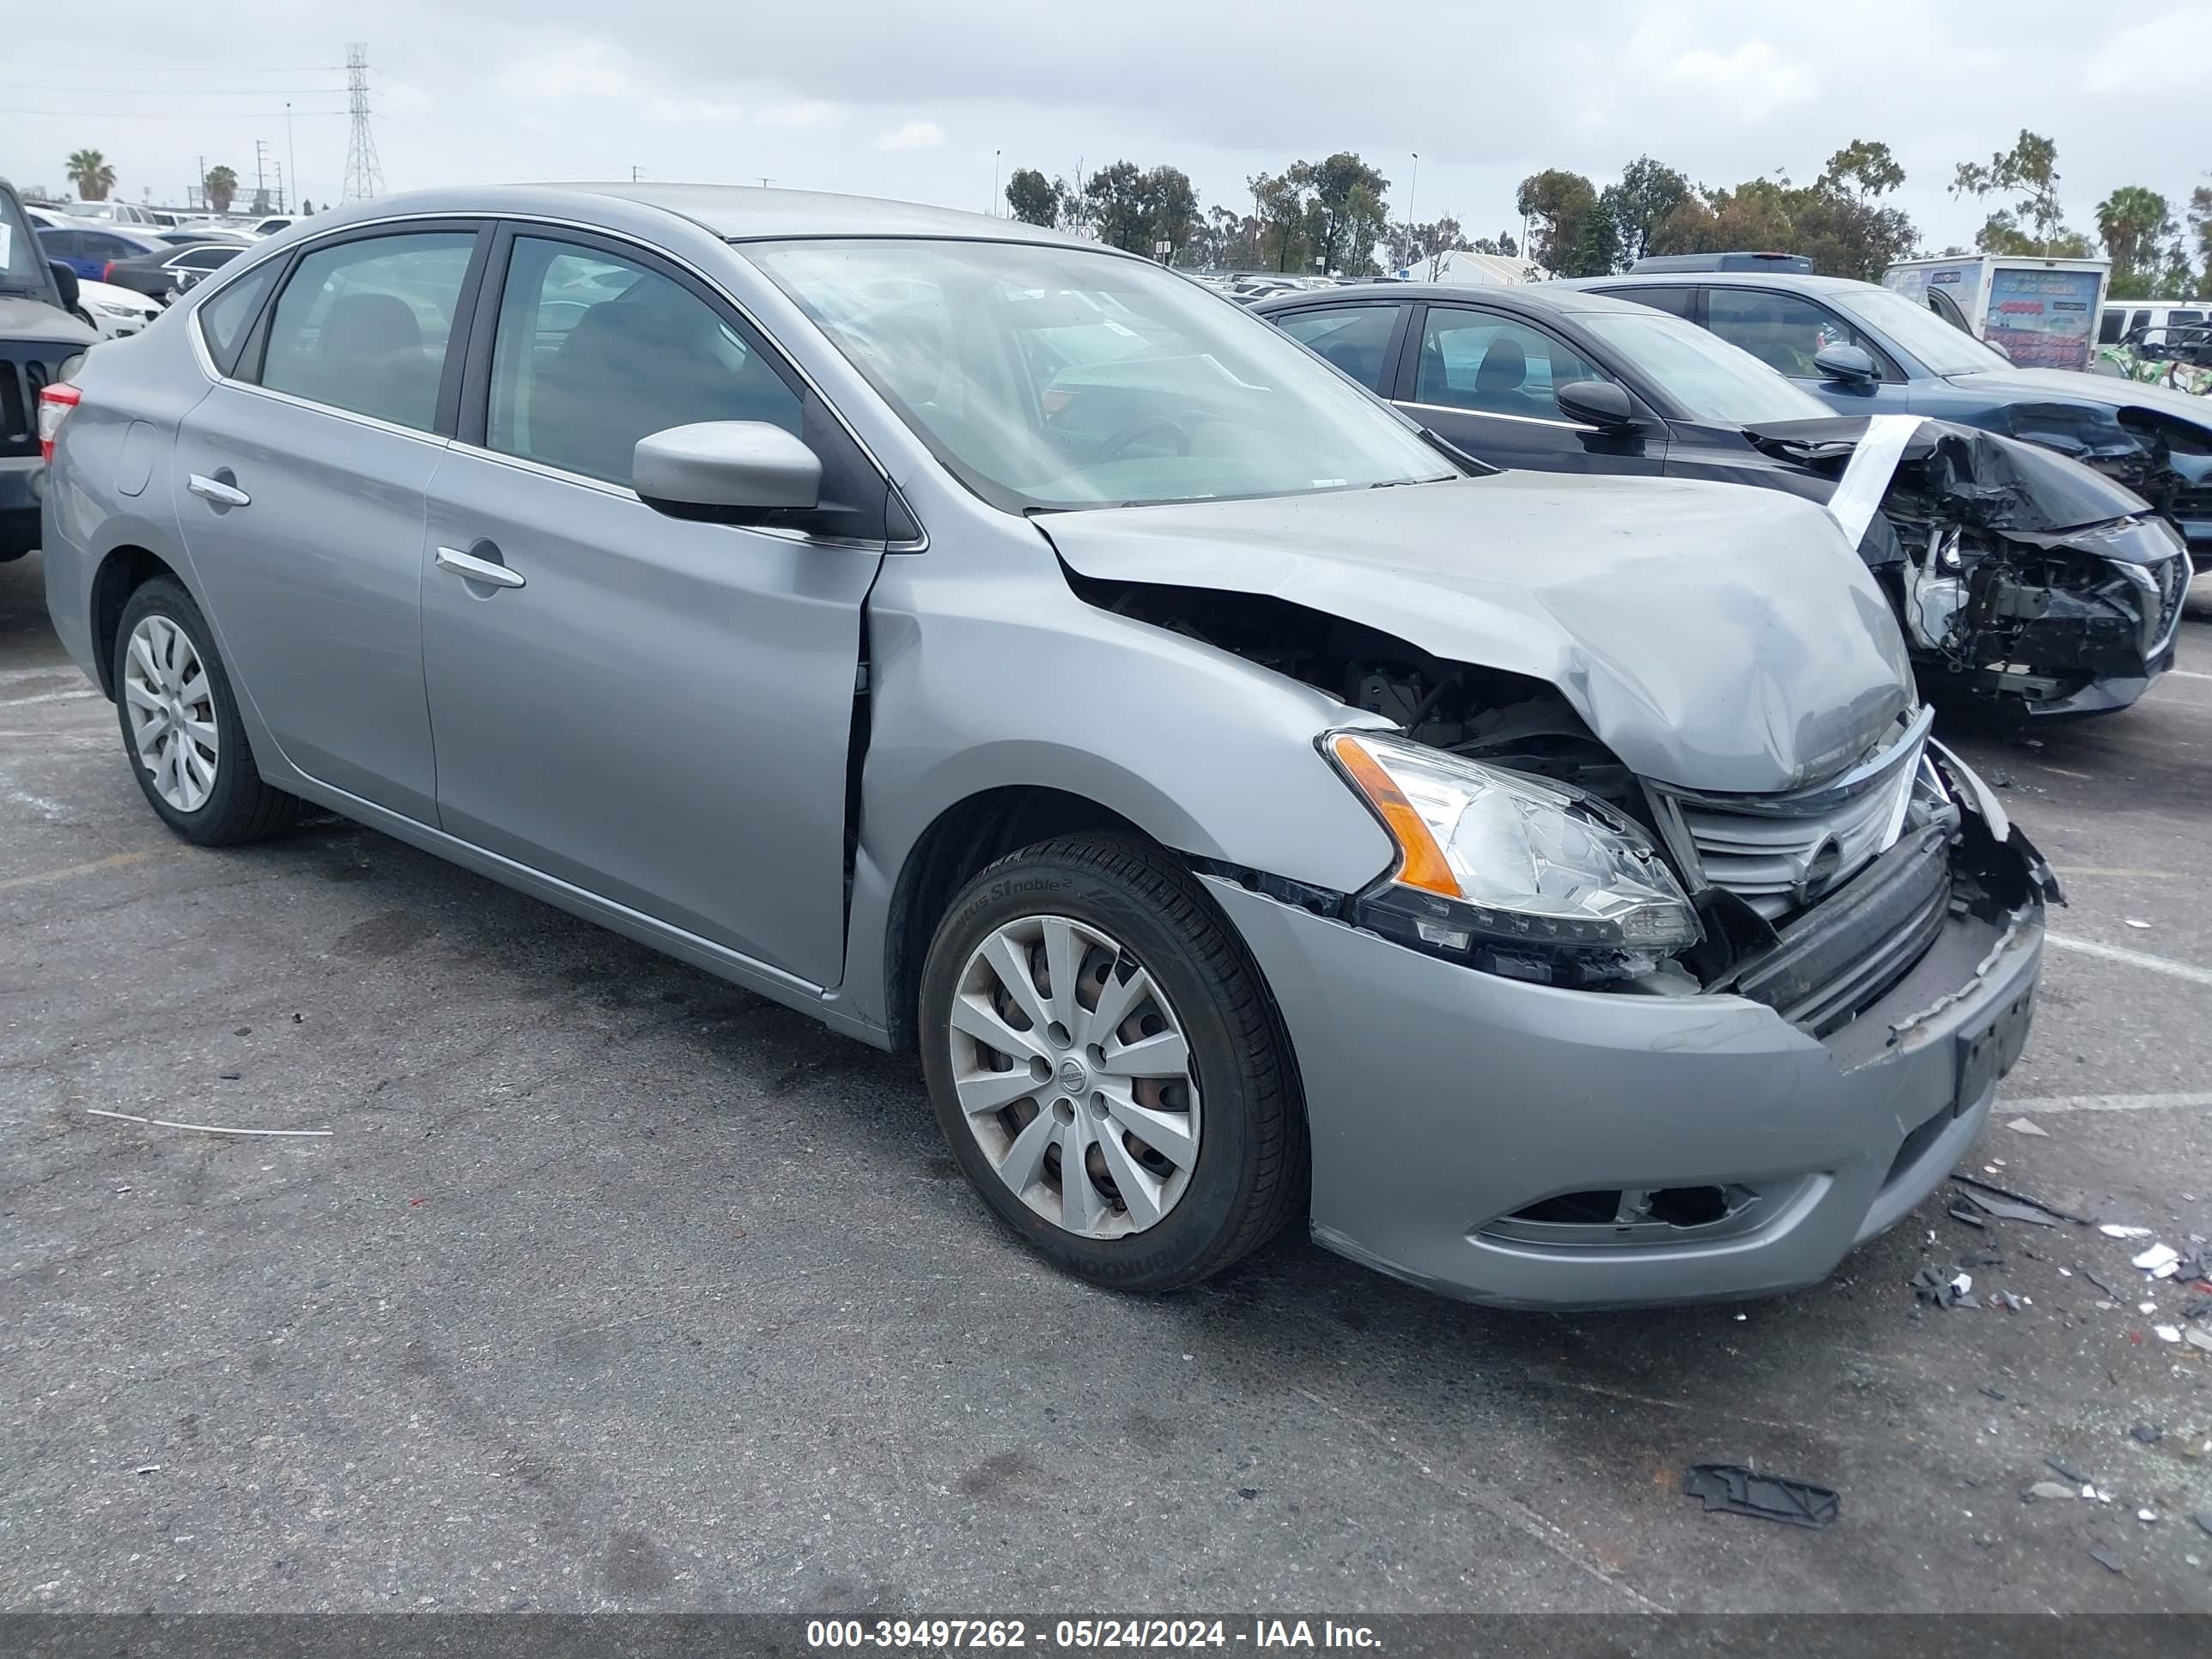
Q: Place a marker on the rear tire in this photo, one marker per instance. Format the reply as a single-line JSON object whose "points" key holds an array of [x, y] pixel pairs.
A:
{"points": [[180, 727], [1225, 1166]]}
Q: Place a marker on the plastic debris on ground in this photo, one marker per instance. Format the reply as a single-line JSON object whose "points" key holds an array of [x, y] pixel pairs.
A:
{"points": [[2159, 1260], [1983, 1195], [1960, 1213], [2146, 1516], [1931, 1290], [2118, 1230], [2199, 1337], [2167, 1332], [2024, 1126], [2054, 1464], [2132, 922], [2203, 1519], [2048, 1491], [1735, 1490], [2085, 1272], [2146, 1433], [2109, 1564]]}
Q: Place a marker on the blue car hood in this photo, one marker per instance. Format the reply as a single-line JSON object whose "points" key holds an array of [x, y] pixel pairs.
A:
{"points": [[2069, 386]]}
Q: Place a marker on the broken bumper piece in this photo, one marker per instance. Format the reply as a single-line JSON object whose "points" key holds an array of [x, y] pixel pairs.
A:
{"points": [[1523, 1145]]}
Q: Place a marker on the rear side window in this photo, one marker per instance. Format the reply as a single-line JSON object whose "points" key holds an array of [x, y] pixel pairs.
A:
{"points": [[2110, 326], [594, 352], [1353, 337], [1675, 301], [225, 318], [62, 244], [363, 326]]}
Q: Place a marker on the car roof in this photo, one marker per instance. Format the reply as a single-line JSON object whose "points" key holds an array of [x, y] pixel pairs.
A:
{"points": [[734, 213], [1784, 279], [1531, 298]]}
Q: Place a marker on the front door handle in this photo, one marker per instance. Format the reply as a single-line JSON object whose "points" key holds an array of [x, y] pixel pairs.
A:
{"points": [[215, 490], [476, 570]]}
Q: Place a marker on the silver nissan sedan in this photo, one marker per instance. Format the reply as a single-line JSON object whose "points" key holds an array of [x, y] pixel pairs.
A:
{"points": [[1005, 650]]}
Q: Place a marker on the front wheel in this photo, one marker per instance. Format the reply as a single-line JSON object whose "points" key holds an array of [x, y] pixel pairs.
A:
{"points": [[1106, 1067], [180, 725]]}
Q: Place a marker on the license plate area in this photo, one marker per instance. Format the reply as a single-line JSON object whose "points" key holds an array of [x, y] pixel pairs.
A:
{"points": [[1987, 1054]]}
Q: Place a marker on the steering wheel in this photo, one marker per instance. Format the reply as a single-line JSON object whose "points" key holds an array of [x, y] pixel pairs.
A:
{"points": [[1128, 434]]}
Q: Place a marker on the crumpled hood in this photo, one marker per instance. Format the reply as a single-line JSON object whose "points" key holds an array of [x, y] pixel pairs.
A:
{"points": [[2064, 385], [1718, 638]]}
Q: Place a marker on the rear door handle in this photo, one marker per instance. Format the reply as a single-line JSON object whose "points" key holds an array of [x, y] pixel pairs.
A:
{"points": [[476, 570], [215, 490]]}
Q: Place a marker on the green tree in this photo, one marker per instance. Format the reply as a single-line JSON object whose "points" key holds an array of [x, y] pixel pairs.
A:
{"points": [[89, 173], [1862, 169], [1030, 196], [1115, 195], [221, 186], [1348, 194], [1834, 222], [1171, 210], [1279, 201], [2035, 224], [1560, 206], [2200, 226], [2137, 228], [1639, 203]]}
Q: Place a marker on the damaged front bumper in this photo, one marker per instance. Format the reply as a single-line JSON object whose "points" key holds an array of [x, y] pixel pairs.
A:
{"points": [[1524, 1145]]}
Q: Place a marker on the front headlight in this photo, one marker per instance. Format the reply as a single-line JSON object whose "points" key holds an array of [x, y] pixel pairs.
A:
{"points": [[1507, 866], [114, 309]]}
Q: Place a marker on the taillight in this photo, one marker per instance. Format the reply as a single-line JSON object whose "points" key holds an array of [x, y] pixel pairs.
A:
{"points": [[107, 271], [55, 403]]}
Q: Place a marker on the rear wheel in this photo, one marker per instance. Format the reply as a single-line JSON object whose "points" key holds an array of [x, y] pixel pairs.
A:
{"points": [[1106, 1067], [180, 725]]}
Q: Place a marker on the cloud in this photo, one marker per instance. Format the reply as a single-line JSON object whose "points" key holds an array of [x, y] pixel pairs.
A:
{"points": [[686, 111], [801, 112], [1753, 81], [913, 134], [578, 68]]}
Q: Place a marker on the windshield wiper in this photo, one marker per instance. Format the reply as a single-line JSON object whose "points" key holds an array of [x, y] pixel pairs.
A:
{"points": [[1451, 452]]}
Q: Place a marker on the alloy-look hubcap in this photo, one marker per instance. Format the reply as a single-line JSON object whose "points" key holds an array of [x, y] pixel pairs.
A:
{"points": [[171, 710], [1074, 1076]]}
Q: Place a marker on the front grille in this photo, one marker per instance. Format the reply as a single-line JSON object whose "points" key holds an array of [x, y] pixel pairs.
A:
{"points": [[1781, 853]]}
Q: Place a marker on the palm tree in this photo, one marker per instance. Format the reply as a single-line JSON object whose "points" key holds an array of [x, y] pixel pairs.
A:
{"points": [[221, 184], [90, 171], [2136, 224]]}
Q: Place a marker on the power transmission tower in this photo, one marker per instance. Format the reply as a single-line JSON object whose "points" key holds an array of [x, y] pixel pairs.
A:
{"points": [[364, 177]]}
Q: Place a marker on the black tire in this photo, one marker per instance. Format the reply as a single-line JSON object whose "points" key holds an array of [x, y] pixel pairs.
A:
{"points": [[240, 806], [1249, 1177]]}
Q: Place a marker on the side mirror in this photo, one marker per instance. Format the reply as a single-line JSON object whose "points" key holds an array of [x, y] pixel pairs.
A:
{"points": [[1596, 402], [725, 471], [1850, 363], [65, 280]]}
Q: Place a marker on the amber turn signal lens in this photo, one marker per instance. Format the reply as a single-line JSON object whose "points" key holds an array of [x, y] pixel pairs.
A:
{"points": [[1421, 862]]}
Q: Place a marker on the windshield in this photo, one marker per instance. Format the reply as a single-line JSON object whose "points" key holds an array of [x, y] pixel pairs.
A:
{"points": [[1048, 377], [1709, 378], [1917, 332], [23, 263]]}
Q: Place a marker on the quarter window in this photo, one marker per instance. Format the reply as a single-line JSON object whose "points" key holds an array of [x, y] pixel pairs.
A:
{"points": [[1478, 360], [363, 326], [594, 352], [224, 320], [1780, 330], [1353, 337]]}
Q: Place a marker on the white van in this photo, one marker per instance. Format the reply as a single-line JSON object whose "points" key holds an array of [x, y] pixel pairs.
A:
{"points": [[2122, 318]]}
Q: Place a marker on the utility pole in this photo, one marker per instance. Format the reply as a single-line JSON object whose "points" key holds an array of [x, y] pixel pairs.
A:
{"points": [[364, 176], [291, 149], [633, 172], [765, 180], [202, 184], [260, 176], [993, 208], [1413, 223], [280, 188]]}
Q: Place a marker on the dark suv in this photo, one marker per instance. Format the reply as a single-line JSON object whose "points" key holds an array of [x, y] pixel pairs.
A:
{"points": [[38, 336]]}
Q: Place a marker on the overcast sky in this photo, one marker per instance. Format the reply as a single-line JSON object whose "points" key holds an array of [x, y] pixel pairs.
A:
{"points": [[913, 100]]}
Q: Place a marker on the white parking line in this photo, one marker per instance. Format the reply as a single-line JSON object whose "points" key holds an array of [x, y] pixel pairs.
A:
{"points": [[9, 676], [2107, 1103], [2189, 971], [2185, 674], [48, 696]]}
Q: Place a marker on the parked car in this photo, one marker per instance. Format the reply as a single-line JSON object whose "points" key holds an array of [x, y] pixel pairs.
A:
{"points": [[115, 313], [1861, 350], [89, 249], [40, 338], [2122, 318], [1247, 808], [205, 235], [2177, 355], [167, 272], [1741, 261], [108, 211], [269, 225], [2018, 575]]}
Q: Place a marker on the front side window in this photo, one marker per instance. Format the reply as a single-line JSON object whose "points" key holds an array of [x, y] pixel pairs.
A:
{"points": [[1049, 377], [1353, 337], [1705, 378], [1916, 330], [1493, 365], [595, 351], [1781, 330], [363, 326]]}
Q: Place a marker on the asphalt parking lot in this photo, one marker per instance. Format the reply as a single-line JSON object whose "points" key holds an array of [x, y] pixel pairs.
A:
{"points": [[613, 1286]]}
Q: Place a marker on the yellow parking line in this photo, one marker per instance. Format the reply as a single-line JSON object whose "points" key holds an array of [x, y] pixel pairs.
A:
{"points": [[113, 862]]}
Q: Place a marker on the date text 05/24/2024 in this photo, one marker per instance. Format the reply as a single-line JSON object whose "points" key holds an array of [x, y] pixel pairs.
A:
{"points": [[990, 1635]]}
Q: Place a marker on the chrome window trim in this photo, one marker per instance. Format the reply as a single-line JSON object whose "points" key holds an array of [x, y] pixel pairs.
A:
{"points": [[1487, 415], [495, 219]]}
